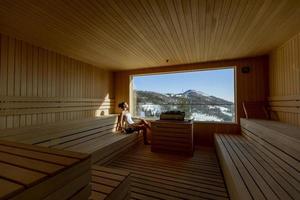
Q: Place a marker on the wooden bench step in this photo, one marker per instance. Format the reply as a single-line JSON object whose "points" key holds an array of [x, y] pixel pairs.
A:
{"points": [[283, 162], [250, 173], [31, 172], [108, 183], [285, 137], [94, 136], [17, 134], [36, 135], [59, 146]]}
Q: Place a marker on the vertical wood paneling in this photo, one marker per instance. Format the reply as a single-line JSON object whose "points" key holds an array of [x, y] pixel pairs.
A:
{"points": [[39, 74], [17, 77], [10, 75], [3, 73], [284, 83]]}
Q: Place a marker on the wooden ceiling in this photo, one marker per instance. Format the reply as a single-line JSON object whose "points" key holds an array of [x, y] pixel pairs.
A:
{"points": [[130, 34]]}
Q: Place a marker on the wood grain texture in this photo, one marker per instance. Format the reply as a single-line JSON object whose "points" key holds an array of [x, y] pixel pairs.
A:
{"points": [[284, 136], [96, 136], [172, 137], [260, 165], [164, 176], [137, 34], [272, 148], [110, 184], [204, 131], [285, 81], [39, 86], [28, 173], [249, 87]]}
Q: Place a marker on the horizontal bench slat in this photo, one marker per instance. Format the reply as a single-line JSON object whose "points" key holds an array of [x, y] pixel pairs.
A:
{"points": [[253, 189], [110, 170], [9, 188], [89, 136], [84, 193], [275, 169], [58, 126], [293, 165], [20, 175], [63, 139], [98, 187], [108, 153], [69, 189], [97, 143], [96, 137], [71, 132], [97, 196], [40, 134], [234, 181], [282, 136], [68, 154], [50, 185], [29, 163], [77, 141], [107, 175], [265, 157], [109, 183], [26, 168], [38, 155], [265, 180], [105, 181]]}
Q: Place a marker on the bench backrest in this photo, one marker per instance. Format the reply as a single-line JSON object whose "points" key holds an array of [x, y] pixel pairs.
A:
{"points": [[255, 109]]}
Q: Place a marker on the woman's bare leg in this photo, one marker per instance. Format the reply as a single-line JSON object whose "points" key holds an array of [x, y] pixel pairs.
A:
{"points": [[146, 123], [145, 135], [144, 129]]}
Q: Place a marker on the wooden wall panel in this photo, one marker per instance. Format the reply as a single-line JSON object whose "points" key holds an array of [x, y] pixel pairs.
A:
{"points": [[285, 81], [40, 86], [250, 87]]}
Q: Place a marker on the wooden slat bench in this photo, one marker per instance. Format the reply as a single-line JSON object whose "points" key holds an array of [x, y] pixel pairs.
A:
{"points": [[263, 162], [94, 136], [31, 172], [284, 136], [108, 183]]}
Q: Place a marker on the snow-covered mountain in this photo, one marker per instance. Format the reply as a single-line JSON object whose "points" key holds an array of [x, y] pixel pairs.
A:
{"points": [[194, 92], [195, 104]]}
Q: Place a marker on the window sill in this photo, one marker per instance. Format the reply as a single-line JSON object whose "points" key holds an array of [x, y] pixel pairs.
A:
{"points": [[196, 122], [212, 122]]}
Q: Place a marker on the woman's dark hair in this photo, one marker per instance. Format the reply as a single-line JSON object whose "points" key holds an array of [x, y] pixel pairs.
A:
{"points": [[121, 105]]}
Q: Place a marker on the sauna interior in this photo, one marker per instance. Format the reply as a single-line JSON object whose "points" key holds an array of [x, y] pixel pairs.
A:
{"points": [[66, 66]]}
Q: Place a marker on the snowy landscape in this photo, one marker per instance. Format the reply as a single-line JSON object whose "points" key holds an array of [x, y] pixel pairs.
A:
{"points": [[195, 104]]}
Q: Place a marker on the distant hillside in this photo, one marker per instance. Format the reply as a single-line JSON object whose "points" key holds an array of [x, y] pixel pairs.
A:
{"points": [[194, 103]]}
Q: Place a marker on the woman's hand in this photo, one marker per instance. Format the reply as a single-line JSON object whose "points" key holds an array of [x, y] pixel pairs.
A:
{"points": [[121, 129]]}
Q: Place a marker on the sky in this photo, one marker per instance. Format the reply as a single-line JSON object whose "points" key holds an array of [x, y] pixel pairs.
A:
{"points": [[219, 83]]}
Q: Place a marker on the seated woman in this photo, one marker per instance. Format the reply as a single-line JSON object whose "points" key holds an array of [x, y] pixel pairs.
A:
{"points": [[126, 124]]}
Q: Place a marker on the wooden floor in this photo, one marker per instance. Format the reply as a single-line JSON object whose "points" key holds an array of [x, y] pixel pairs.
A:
{"points": [[164, 176]]}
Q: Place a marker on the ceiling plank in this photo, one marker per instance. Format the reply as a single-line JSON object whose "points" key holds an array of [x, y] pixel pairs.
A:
{"points": [[131, 34]]}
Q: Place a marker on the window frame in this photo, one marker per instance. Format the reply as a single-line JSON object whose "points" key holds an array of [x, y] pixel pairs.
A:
{"points": [[131, 104]]}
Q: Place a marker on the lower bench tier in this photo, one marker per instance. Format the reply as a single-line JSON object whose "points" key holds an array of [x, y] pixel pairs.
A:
{"points": [[108, 183], [253, 170], [31, 172], [96, 136]]}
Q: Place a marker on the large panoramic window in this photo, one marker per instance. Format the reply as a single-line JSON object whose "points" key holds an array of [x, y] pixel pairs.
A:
{"points": [[206, 95]]}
